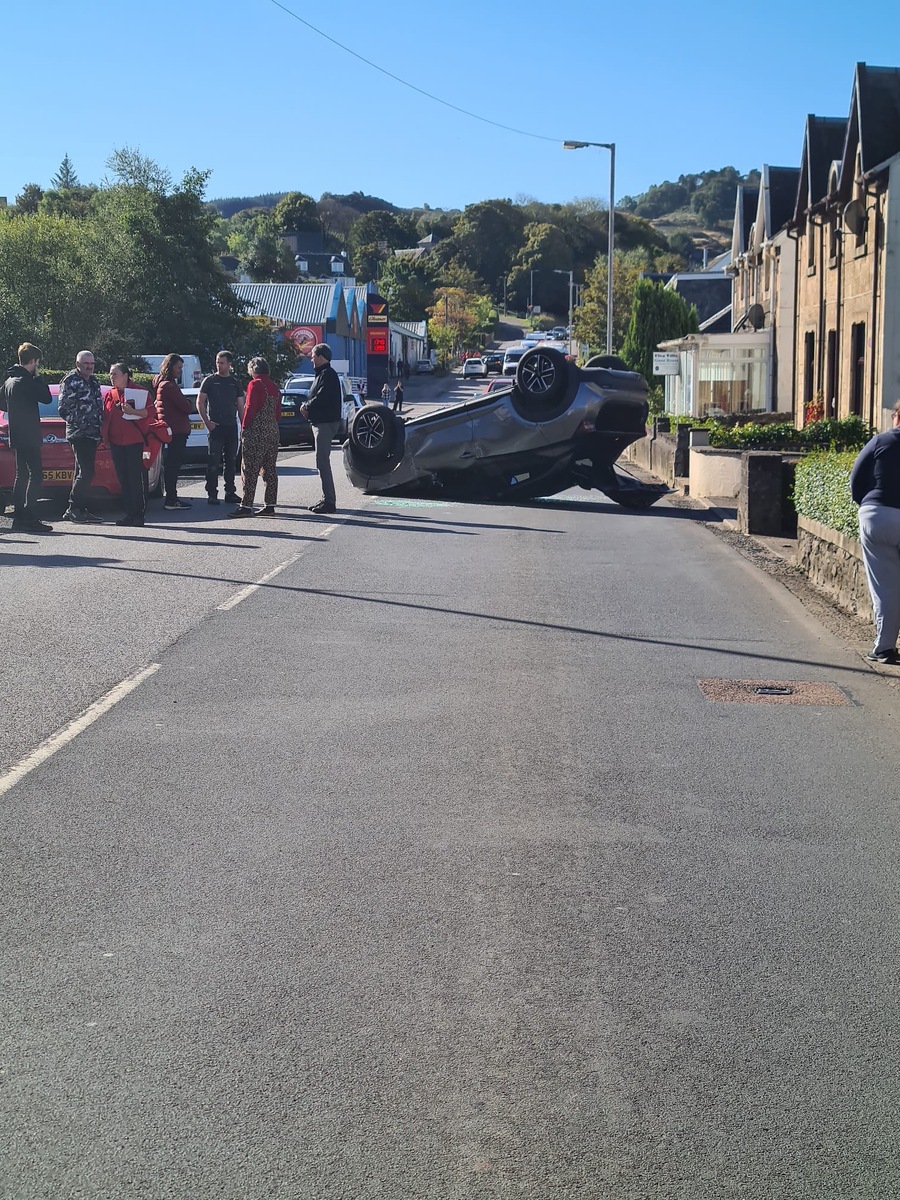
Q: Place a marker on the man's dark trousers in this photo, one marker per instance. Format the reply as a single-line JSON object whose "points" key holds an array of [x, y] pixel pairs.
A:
{"points": [[325, 435], [28, 480], [223, 448], [173, 456], [85, 451]]}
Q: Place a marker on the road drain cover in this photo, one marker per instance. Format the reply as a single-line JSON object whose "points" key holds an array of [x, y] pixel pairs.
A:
{"points": [[771, 691]]}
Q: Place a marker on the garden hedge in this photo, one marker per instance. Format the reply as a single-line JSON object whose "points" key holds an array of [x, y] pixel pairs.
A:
{"points": [[822, 490]]}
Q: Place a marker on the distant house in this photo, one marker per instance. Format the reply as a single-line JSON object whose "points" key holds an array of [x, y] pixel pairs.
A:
{"points": [[313, 261], [763, 268]]}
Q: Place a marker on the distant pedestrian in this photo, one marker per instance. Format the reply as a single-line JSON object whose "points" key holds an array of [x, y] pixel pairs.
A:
{"points": [[259, 440], [875, 486], [125, 428], [20, 397], [323, 411], [406, 368], [398, 396], [173, 407], [81, 404], [218, 404], [386, 393], [391, 368]]}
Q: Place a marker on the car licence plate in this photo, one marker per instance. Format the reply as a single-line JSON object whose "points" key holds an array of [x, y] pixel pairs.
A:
{"points": [[197, 425], [58, 476]]}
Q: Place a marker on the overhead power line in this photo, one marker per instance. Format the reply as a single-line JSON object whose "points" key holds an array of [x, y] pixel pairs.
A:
{"points": [[405, 83]]}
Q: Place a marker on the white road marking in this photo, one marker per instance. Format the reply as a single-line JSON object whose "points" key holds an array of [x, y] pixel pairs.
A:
{"points": [[235, 600], [69, 732]]}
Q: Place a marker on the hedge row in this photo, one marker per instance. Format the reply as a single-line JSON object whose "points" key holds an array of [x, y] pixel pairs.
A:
{"points": [[822, 491], [51, 375], [847, 434]]}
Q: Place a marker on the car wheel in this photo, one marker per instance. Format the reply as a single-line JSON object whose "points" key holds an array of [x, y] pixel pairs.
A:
{"points": [[542, 385], [376, 436], [612, 362]]}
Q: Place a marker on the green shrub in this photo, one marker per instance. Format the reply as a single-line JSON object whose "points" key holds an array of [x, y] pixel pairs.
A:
{"points": [[822, 490], [846, 434]]}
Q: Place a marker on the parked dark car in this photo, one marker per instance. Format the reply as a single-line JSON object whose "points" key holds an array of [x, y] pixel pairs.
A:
{"points": [[555, 426], [494, 361], [293, 427]]}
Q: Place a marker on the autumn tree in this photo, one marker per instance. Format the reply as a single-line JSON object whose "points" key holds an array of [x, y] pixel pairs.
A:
{"points": [[296, 212]]}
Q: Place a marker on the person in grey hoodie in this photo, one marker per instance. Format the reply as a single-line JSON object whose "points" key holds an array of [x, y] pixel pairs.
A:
{"points": [[20, 397], [81, 403]]}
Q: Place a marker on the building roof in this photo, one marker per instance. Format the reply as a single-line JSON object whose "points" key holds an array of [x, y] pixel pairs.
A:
{"points": [[294, 303], [876, 106], [745, 204], [415, 329], [709, 293], [823, 141], [780, 195], [719, 322]]}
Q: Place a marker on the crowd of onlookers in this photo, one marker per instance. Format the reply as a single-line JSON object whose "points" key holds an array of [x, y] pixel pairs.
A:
{"points": [[138, 425]]}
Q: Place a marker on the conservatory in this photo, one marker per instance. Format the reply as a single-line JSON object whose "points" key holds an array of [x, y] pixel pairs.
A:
{"points": [[720, 374]]}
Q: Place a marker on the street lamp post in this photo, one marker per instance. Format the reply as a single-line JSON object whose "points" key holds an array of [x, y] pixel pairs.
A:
{"points": [[611, 241], [531, 292], [571, 275]]}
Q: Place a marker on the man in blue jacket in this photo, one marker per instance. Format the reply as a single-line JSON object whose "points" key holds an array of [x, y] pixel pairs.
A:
{"points": [[21, 395], [323, 411]]}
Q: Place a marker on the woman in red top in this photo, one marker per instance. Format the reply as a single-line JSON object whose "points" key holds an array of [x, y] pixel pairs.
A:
{"points": [[173, 407], [125, 429], [259, 439]]}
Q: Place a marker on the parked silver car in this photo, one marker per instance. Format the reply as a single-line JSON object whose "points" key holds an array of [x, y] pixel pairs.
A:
{"points": [[556, 426]]}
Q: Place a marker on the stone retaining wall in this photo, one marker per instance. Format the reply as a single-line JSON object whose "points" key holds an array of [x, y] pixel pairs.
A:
{"points": [[834, 563], [661, 453]]}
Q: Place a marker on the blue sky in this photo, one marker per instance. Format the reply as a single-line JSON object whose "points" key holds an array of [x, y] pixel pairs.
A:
{"points": [[243, 89]]}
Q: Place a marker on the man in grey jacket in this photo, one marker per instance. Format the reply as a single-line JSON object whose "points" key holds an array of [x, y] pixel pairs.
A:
{"points": [[81, 403], [20, 397], [323, 411]]}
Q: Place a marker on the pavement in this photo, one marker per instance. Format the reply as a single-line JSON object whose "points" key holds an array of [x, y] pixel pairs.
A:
{"points": [[426, 851]]}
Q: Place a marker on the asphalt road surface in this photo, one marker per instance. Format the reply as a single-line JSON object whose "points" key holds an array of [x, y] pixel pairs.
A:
{"points": [[427, 869]]}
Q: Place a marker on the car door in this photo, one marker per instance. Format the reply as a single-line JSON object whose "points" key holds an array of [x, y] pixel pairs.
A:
{"points": [[442, 442]]}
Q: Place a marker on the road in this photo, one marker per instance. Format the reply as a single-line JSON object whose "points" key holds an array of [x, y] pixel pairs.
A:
{"points": [[427, 869]]}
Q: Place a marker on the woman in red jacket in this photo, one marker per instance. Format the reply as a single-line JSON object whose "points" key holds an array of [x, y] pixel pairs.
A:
{"points": [[125, 429], [173, 407]]}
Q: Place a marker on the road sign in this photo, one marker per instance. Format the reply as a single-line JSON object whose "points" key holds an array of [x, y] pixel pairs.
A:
{"points": [[666, 362]]}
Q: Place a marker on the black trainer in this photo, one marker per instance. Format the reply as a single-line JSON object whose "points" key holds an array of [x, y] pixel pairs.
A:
{"points": [[324, 506], [889, 658]]}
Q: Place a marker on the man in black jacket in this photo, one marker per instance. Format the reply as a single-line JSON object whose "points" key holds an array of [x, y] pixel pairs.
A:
{"points": [[21, 395], [323, 411]]}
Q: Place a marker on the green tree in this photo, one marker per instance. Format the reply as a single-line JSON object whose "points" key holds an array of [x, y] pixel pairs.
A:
{"points": [[486, 239], [296, 212], [29, 198], [254, 239], [65, 177], [590, 317], [406, 284], [546, 251], [374, 237], [658, 314]]}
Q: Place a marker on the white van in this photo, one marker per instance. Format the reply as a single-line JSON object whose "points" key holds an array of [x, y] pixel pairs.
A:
{"points": [[191, 372], [511, 358]]}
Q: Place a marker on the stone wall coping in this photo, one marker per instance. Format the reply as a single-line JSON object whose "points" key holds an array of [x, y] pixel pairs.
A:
{"points": [[717, 450], [832, 536]]}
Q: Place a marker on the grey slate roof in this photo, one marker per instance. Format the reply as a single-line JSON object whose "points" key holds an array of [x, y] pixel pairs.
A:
{"points": [[876, 99], [823, 141], [295, 303]]}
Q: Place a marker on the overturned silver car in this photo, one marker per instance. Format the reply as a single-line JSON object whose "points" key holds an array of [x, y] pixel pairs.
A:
{"points": [[556, 426]]}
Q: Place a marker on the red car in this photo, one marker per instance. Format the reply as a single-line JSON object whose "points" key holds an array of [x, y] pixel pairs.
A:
{"points": [[58, 461]]}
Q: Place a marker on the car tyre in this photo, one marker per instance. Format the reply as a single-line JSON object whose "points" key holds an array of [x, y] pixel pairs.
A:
{"points": [[376, 437], [612, 362], [542, 385]]}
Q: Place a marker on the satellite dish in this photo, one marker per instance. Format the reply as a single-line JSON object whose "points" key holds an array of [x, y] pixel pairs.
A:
{"points": [[855, 217], [757, 316]]}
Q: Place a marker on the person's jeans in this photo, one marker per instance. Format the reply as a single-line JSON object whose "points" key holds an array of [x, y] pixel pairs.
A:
{"points": [[223, 449], [28, 480], [173, 456], [128, 461], [879, 535], [85, 451], [325, 435]]}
